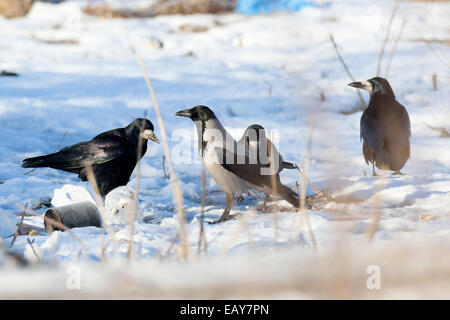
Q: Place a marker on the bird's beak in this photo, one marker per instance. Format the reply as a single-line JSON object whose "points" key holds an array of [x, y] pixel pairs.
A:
{"points": [[366, 85], [184, 113], [149, 135]]}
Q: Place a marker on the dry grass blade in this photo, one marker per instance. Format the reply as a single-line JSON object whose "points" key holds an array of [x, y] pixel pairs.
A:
{"points": [[177, 192], [32, 249], [164, 168], [99, 202], [275, 192], [202, 236], [303, 210], [443, 132], [363, 103], [138, 186], [314, 186], [386, 38], [397, 39], [442, 57], [19, 225], [172, 244], [93, 181]]}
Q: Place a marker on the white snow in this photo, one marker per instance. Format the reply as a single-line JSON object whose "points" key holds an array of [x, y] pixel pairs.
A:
{"points": [[267, 69]]}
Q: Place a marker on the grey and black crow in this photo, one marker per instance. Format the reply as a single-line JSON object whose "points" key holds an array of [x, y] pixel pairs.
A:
{"points": [[385, 127], [256, 143], [112, 155], [235, 170]]}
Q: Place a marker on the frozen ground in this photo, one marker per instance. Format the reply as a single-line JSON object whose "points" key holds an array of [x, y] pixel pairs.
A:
{"points": [[78, 75]]}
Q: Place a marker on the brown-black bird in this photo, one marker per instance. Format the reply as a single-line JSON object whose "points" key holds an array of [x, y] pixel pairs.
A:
{"points": [[385, 127], [235, 170], [112, 155], [256, 143]]}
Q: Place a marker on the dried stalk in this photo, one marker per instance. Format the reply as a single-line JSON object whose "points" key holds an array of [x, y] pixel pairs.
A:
{"points": [[313, 185], [172, 244], [202, 236], [388, 30], [177, 193], [164, 168], [363, 103], [99, 202], [397, 39], [19, 225], [136, 198], [32, 248], [303, 210]]}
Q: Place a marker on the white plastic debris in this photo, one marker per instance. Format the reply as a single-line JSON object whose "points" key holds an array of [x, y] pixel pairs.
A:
{"points": [[120, 206], [70, 194]]}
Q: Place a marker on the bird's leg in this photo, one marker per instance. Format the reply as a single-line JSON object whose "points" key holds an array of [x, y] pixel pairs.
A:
{"points": [[226, 213], [374, 174], [397, 173]]}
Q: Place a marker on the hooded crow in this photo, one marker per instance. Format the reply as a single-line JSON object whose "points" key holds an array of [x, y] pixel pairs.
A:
{"points": [[385, 127], [235, 170], [112, 155], [257, 144]]}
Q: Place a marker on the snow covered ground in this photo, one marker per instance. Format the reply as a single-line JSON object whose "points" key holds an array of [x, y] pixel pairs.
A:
{"points": [[79, 77]]}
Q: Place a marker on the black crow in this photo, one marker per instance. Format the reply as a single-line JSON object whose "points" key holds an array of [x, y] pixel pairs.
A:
{"points": [[235, 170], [112, 155], [385, 127]]}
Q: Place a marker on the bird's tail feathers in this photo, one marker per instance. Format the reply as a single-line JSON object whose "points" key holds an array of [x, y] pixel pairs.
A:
{"points": [[37, 162], [289, 195], [288, 165], [53, 160]]}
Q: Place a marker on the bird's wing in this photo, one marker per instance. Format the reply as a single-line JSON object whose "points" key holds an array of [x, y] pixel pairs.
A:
{"points": [[82, 154], [404, 120], [258, 175], [243, 166], [369, 132], [101, 149]]}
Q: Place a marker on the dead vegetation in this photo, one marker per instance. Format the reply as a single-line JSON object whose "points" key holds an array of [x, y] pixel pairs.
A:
{"points": [[20, 8], [15, 8], [443, 132], [164, 7]]}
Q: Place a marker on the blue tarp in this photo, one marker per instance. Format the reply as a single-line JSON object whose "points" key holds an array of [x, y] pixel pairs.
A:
{"points": [[267, 6]]}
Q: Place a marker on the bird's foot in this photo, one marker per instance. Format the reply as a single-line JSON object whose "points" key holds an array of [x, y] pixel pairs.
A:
{"points": [[397, 173], [225, 218]]}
